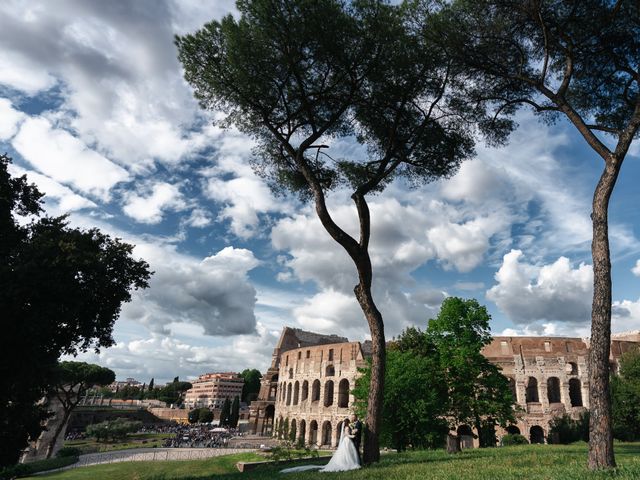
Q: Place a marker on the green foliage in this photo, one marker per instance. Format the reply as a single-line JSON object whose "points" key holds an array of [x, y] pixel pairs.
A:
{"points": [[225, 413], [61, 290], [200, 415], [235, 413], [69, 452], [514, 439], [172, 392], [113, 430], [476, 390], [565, 429], [251, 386], [289, 450], [28, 469], [625, 395]]}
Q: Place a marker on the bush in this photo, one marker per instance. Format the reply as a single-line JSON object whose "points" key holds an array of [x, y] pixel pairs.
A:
{"points": [[565, 430], [28, 469], [68, 452], [514, 439], [113, 430]]}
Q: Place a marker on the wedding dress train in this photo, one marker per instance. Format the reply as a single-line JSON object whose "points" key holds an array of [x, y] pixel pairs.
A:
{"points": [[344, 458]]}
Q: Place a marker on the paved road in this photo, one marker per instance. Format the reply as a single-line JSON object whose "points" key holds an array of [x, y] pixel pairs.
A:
{"points": [[157, 454]]}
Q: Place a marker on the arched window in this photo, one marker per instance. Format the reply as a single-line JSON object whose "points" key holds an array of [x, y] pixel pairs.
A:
{"points": [[313, 430], [575, 392], [513, 430], [296, 392], [464, 430], [330, 371], [293, 431], [289, 394], [303, 430], [328, 393], [512, 387], [305, 391], [553, 389], [290, 373], [536, 434], [532, 390], [326, 433], [343, 393], [315, 391], [571, 368]]}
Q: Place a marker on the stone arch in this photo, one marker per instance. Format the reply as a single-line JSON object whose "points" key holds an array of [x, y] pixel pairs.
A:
{"points": [[513, 430], [330, 371], [289, 394], [343, 393], [532, 390], [303, 431], [571, 368], [304, 394], [293, 430], [269, 414], [315, 391], [313, 432], [326, 433], [328, 393], [339, 430], [553, 389], [290, 373], [536, 434], [575, 392], [464, 430], [275, 377], [296, 392], [280, 426]]}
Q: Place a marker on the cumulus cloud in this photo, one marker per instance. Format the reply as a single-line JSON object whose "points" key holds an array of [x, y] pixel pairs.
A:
{"points": [[214, 293], [66, 159], [636, 269], [530, 294], [150, 206], [10, 119]]}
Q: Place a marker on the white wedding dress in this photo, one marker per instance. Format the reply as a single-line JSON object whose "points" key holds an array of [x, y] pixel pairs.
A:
{"points": [[344, 458]]}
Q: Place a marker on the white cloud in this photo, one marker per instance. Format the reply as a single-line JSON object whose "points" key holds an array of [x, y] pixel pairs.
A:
{"points": [[636, 269], [10, 119], [22, 73], [214, 293], [150, 208], [62, 157], [530, 294]]}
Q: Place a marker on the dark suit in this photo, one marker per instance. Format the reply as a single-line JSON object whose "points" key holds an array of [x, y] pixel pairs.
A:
{"points": [[356, 433]]}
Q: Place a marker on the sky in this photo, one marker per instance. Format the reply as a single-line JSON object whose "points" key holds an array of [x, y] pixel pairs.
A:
{"points": [[95, 111]]}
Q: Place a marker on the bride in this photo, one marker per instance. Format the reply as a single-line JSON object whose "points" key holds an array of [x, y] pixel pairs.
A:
{"points": [[344, 458]]}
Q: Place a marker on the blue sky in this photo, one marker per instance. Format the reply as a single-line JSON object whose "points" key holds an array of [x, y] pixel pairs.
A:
{"points": [[93, 108]]}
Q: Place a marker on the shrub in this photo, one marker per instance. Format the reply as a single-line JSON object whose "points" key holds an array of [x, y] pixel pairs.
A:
{"points": [[565, 430], [514, 439], [28, 469], [68, 452], [113, 430]]}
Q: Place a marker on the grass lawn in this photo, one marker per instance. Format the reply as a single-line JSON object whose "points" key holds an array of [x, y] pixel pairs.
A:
{"points": [[136, 440], [530, 462]]}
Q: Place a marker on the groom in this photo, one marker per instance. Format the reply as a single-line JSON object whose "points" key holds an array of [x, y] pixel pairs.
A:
{"points": [[356, 434]]}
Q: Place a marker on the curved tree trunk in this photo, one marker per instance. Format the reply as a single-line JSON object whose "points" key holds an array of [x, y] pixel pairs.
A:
{"points": [[371, 445], [600, 431]]}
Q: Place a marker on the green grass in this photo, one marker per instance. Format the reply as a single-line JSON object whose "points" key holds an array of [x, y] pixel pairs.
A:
{"points": [[529, 462], [137, 440]]}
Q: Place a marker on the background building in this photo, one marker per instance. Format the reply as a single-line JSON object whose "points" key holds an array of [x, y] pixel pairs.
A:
{"points": [[211, 389]]}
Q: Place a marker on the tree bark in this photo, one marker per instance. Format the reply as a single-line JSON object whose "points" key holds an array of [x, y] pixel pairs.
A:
{"points": [[600, 432], [59, 428], [371, 445]]}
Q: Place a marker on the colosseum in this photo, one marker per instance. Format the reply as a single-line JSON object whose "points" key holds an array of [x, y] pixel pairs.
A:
{"points": [[309, 381]]}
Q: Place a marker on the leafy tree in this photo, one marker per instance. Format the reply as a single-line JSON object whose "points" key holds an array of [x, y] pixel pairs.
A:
{"points": [[625, 393], [225, 413], [194, 415], [151, 385], [251, 385], [299, 75], [72, 381], [412, 412], [573, 59], [61, 290], [172, 392], [205, 416], [235, 413], [565, 430], [113, 430], [477, 392]]}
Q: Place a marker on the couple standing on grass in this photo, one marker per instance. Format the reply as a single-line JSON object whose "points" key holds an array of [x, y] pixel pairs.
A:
{"points": [[346, 456]]}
